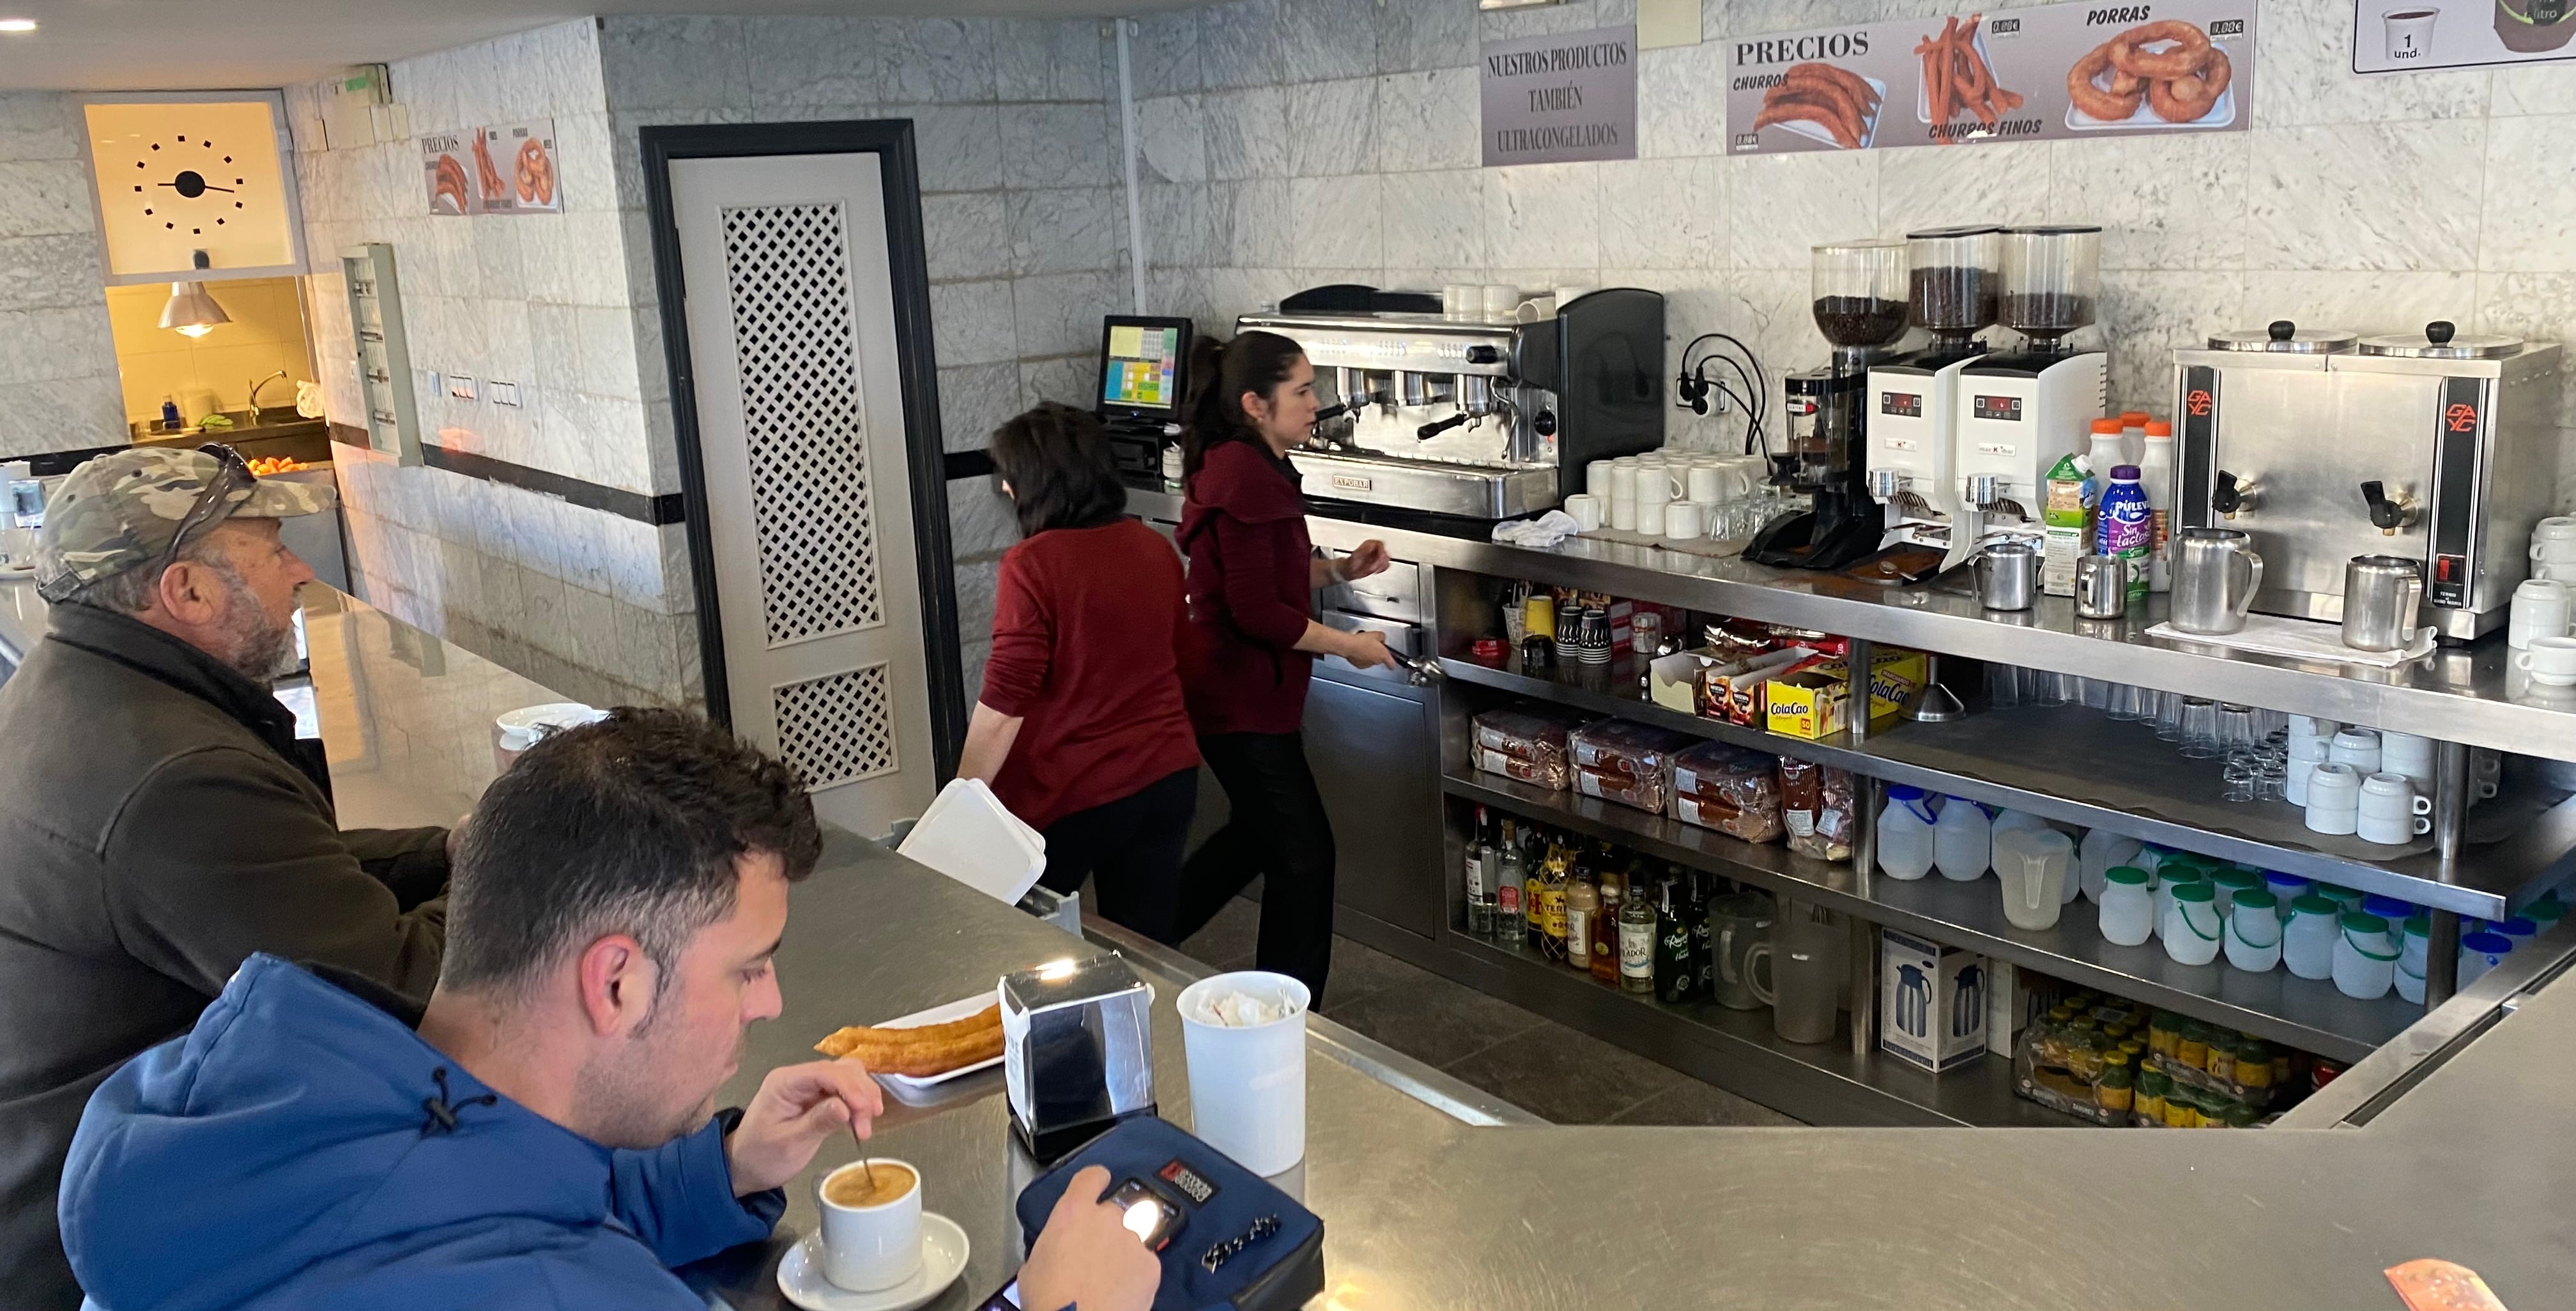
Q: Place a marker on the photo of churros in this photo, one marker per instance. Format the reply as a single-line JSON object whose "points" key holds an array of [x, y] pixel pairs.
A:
{"points": [[1959, 79], [1828, 103], [2160, 74]]}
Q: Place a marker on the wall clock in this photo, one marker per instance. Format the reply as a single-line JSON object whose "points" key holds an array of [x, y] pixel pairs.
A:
{"points": [[179, 173]]}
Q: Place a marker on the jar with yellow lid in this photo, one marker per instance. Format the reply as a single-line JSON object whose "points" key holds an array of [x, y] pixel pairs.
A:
{"points": [[2116, 1088], [2148, 1097], [2182, 1108], [2191, 1044], [2221, 1062], [2254, 1063], [2163, 1032]]}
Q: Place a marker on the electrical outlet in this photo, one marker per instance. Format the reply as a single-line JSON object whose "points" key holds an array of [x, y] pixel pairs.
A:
{"points": [[460, 387], [503, 393]]}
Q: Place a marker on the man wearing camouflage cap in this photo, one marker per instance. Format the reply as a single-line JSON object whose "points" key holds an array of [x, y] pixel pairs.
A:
{"points": [[161, 820]]}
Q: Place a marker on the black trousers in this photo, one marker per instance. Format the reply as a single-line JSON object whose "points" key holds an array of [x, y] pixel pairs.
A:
{"points": [[1131, 848], [1278, 831]]}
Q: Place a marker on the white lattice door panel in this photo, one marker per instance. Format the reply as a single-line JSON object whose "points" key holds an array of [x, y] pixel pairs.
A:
{"points": [[800, 426]]}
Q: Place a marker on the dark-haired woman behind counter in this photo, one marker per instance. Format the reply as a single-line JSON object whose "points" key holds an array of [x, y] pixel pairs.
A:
{"points": [[1251, 641], [1081, 729]]}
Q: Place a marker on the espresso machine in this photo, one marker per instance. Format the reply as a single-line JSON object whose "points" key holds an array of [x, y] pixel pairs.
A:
{"points": [[2438, 446], [2019, 413], [1472, 418], [1952, 274], [1859, 307]]}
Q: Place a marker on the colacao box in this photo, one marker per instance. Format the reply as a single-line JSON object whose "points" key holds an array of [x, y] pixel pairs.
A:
{"points": [[1931, 1001], [1814, 702]]}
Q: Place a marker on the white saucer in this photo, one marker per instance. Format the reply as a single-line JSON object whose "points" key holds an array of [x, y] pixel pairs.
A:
{"points": [[943, 1258]]}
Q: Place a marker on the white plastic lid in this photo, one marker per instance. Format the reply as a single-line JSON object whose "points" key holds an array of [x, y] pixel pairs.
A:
{"points": [[520, 728]]}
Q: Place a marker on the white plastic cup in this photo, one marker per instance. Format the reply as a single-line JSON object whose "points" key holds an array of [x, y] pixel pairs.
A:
{"points": [[869, 1248], [1248, 1083], [2413, 960]]}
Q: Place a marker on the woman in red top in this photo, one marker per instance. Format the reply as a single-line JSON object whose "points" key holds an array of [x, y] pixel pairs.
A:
{"points": [[1081, 730], [1252, 639]]}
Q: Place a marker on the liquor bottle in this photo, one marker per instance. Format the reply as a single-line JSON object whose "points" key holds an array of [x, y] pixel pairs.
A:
{"points": [[1534, 890], [1551, 905], [1676, 975], [1695, 914], [1480, 880], [1507, 926], [1636, 940], [1605, 927], [1582, 911]]}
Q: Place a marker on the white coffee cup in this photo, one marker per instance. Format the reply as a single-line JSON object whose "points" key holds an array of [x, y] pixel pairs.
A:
{"points": [[1623, 513], [2311, 726], [2409, 29], [2540, 609], [2553, 552], [1585, 509], [1536, 309], [2408, 755], [1248, 1082], [2555, 528], [867, 1248], [2294, 779], [2550, 660], [1597, 479], [2391, 794], [1682, 521], [1623, 480], [1706, 482], [1502, 301], [2357, 747], [1461, 300], [1658, 480], [2334, 798], [1650, 517], [1571, 293]]}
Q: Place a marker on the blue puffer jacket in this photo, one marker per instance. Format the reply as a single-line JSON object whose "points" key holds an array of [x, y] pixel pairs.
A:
{"points": [[283, 1155]]}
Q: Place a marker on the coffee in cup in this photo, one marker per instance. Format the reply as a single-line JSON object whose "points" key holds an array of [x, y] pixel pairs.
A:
{"points": [[871, 1226], [869, 1184]]}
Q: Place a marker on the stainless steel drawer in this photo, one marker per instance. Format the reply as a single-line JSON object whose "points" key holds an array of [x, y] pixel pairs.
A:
{"points": [[1395, 594], [1402, 638]]}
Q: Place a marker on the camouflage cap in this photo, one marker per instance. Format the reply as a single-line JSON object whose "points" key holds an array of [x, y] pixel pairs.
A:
{"points": [[122, 510]]}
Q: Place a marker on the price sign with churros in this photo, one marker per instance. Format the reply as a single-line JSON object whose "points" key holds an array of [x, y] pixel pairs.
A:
{"points": [[514, 166], [442, 166], [1985, 78]]}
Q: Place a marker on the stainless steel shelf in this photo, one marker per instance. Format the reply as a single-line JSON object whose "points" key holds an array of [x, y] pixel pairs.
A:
{"points": [[2308, 1014], [1823, 1083], [2520, 844], [2458, 694]]}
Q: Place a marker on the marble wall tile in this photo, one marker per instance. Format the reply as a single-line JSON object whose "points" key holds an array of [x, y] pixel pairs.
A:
{"points": [[2365, 196], [2304, 74], [2523, 227], [1434, 220], [42, 411], [1249, 223], [1427, 120], [1239, 44], [651, 661], [1332, 126], [959, 146], [937, 60], [2372, 302], [542, 604], [1662, 214], [608, 353], [813, 61], [1335, 221], [44, 197], [1057, 146], [1065, 379], [1543, 216], [974, 399], [2147, 316], [1163, 53], [1247, 133], [2535, 307], [971, 659], [977, 582], [2118, 184], [39, 125], [1413, 37], [1325, 39], [590, 629], [41, 345], [585, 162], [1543, 20], [1059, 313], [2534, 89], [980, 520], [967, 235], [1176, 228], [52, 272], [1171, 140], [1935, 188], [1780, 206], [1681, 101], [1068, 230]]}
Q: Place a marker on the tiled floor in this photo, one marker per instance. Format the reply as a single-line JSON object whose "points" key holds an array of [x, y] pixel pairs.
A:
{"points": [[1530, 1061]]}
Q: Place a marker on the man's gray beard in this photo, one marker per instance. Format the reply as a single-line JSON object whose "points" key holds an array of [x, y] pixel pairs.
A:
{"points": [[253, 647]]}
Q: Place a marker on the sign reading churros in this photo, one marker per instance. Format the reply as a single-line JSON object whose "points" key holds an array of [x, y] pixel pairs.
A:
{"points": [[504, 169], [2049, 73]]}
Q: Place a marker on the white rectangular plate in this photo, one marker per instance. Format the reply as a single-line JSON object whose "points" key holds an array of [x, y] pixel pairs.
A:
{"points": [[901, 1085]]}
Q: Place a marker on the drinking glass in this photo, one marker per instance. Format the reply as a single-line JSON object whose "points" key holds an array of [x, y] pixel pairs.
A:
{"points": [[2237, 778], [2049, 689], [2271, 779], [2003, 685], [2097, 693], [2169, 716], [2130, 703], [2200, 728], [2235, 727]]}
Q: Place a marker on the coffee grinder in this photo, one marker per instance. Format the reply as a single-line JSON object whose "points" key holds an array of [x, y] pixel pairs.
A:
{"points": [[1859, 307], [2020, 412], [1952, 276]]}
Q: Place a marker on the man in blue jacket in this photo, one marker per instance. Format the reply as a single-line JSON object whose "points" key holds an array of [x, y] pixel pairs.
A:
{"points": [[542, 1133]]}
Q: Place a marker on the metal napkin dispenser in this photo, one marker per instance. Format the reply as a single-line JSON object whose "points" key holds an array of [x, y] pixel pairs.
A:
{"points": [[1077, 1051]]}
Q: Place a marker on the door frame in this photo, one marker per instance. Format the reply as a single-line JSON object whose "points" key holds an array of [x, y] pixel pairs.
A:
{"points": [[891, 141]]}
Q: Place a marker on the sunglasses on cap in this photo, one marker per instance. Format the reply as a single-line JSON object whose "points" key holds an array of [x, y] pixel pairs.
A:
{"points": [[231, 475]]}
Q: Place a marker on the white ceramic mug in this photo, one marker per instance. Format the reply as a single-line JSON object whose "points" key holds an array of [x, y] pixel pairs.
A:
{"points": [[1650, 517], [1623, 513], [1623, 480], [1502, 301], [2334, 799], [867, 1248], [1586, 510], [2357, 747], [2311, 726], [2550, 660], [1658, 481], [2555, 528], [1682, 521], [2556, 571], [2540, 609], [1461, 300], [2409, 755], [1597, 479], [2392, 795]]}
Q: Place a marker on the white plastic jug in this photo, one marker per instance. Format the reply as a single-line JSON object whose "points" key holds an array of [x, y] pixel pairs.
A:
{"points": [[2127, 906], [2412, 961], [2005, 821], [1905, 833], [2101, 852], [2365, 961], [2192, 928], [2254, 932], [1962, 841], [2031, 863], [2307, 942]]}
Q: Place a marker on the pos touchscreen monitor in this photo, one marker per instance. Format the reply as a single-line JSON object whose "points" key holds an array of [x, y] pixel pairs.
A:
{"points": [[1144, 367]]}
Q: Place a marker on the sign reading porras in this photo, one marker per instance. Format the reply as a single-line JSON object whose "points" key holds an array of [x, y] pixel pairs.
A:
{"points": [[1557, 99]]}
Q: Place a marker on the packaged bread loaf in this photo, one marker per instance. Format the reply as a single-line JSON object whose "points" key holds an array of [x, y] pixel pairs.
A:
{"points": [[1534, 734], [1619, 746], [1816, 807], [1645, 792], [1552, 773], [1730, 789]]}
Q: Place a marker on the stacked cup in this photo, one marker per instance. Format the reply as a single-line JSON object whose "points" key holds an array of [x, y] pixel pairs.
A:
{"points": [[2389, 810], [1655, 490], [2310, 744], [2540, 609], [1623, 493], [2405, 753], [2334, 798], [2553, 549]]}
